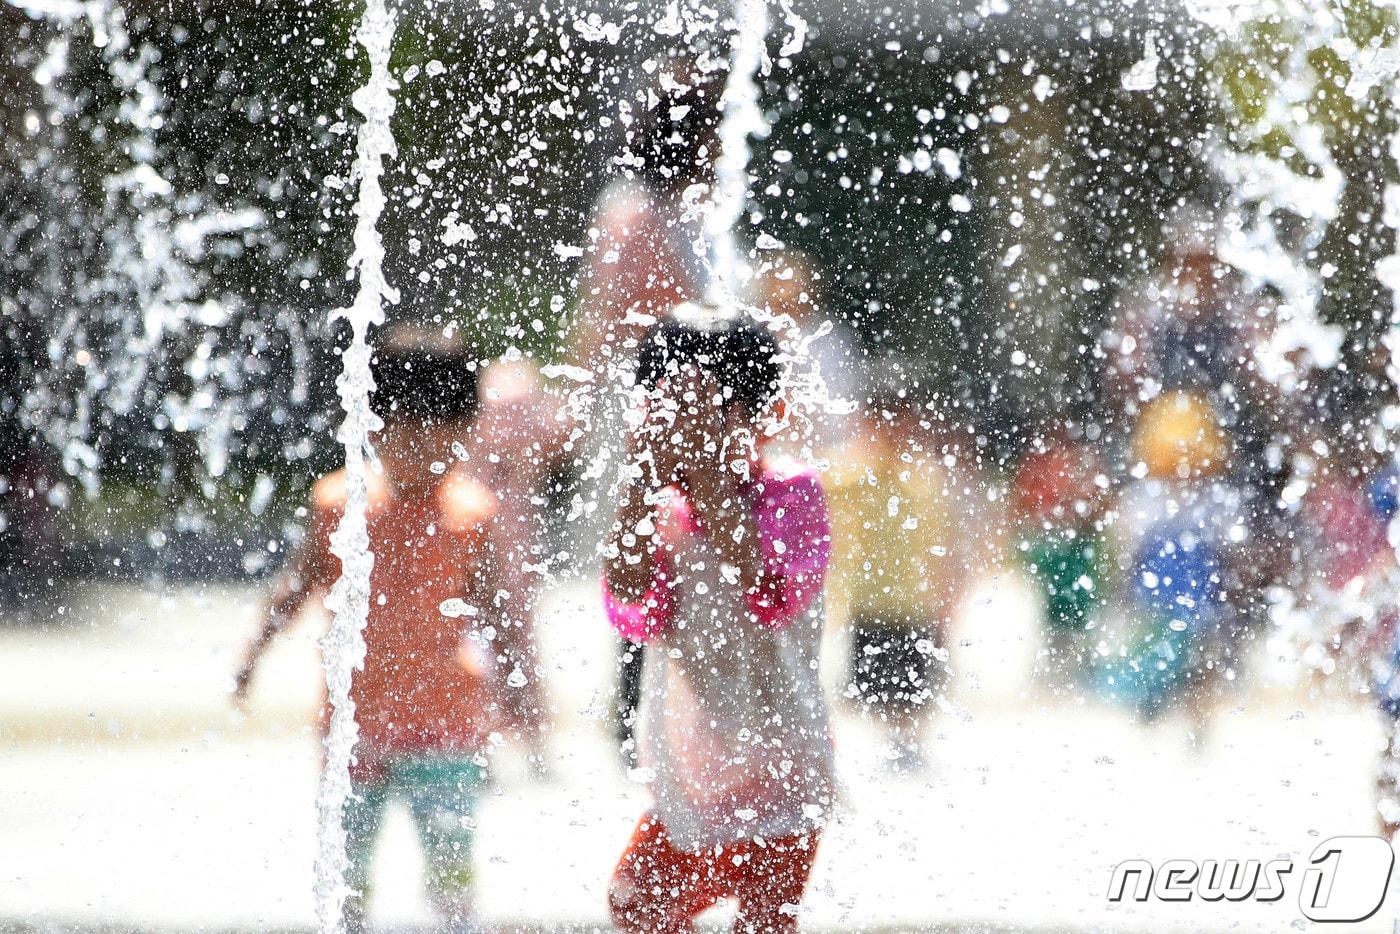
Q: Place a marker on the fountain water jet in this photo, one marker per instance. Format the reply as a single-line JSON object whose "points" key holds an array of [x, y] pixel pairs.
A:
{"points": [[742, 117], [343, 646], [1263, 186], [730, 271]]}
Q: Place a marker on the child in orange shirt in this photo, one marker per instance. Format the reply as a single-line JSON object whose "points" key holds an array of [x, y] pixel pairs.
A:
{"points": [[424, 706]]}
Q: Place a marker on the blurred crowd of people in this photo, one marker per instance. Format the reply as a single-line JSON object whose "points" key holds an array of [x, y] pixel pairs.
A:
{"points": [[1210, 488], [1162, 537], [1166, 529]]}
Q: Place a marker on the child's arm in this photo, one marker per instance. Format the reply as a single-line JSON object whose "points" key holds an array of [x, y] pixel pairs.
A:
{"points": [[631, 546], [501, 591], [728, 522], [780, 543], [630, 569], [290, 594]]}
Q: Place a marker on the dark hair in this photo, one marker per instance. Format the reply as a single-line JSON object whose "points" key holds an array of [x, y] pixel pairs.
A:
{"points": [[739, 354], [682, 116], [424, 373]]}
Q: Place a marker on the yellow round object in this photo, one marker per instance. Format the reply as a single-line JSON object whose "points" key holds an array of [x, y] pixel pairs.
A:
{"points": [[1179, 436]]}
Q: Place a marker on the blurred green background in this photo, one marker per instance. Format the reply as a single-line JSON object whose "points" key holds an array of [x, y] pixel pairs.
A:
{"points": [[506, 125]]}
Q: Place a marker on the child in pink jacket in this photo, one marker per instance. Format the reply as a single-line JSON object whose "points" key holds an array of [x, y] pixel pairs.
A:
{"points": [[716, 562]]}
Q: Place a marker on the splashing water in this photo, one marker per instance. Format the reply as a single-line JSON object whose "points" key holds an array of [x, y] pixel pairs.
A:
{"points": [[1388, 269], [343, 646], [797, 30], [1388, 275], [1263, 187], [1275, 220], [716, 241], [731, 272], [152, 284], [742, 118], [1143, 75]]}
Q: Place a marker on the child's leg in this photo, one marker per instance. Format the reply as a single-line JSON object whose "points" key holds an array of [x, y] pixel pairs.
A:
{"points": [[864, 644], [361, 819], [917, 677], [656, 888], [629, 694], [442, 793], [770, 881], [891, 675], [1388, 781]]}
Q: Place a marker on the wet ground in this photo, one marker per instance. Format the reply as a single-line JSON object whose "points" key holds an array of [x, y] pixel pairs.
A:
{"points": [[134, 799]]}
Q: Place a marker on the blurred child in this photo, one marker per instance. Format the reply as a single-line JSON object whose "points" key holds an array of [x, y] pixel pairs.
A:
{"points": [[898, 565], [424, 705], [518, 446], [647, 252], [716, 562], [1180, 532], [1351, 607], [1057, 502], [789, 284]]}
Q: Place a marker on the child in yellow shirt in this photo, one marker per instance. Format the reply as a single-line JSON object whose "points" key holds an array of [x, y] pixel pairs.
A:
{"points": [[897, 567]]}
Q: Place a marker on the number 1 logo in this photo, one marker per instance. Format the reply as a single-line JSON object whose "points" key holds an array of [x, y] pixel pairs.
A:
{"points": [[1348, 879]]}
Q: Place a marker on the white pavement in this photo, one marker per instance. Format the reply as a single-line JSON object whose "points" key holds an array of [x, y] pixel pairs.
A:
{"points": [[133, 798]]}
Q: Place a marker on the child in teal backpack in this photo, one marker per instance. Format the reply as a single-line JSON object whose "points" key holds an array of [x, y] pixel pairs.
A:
{"points": [[1057, 501]]}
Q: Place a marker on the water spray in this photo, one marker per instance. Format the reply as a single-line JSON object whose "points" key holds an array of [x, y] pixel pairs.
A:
{"points": [[343, 646], [741, 117]]}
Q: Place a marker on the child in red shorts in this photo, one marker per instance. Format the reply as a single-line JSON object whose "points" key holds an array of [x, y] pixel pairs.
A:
{"points": [[717, 560]]}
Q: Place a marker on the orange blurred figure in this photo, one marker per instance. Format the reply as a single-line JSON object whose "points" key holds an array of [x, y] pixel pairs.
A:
{"points": [[425, 700]]}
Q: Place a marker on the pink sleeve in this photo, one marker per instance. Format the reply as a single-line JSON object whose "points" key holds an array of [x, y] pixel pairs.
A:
{"points": [[642, 622], [794, 534]]}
